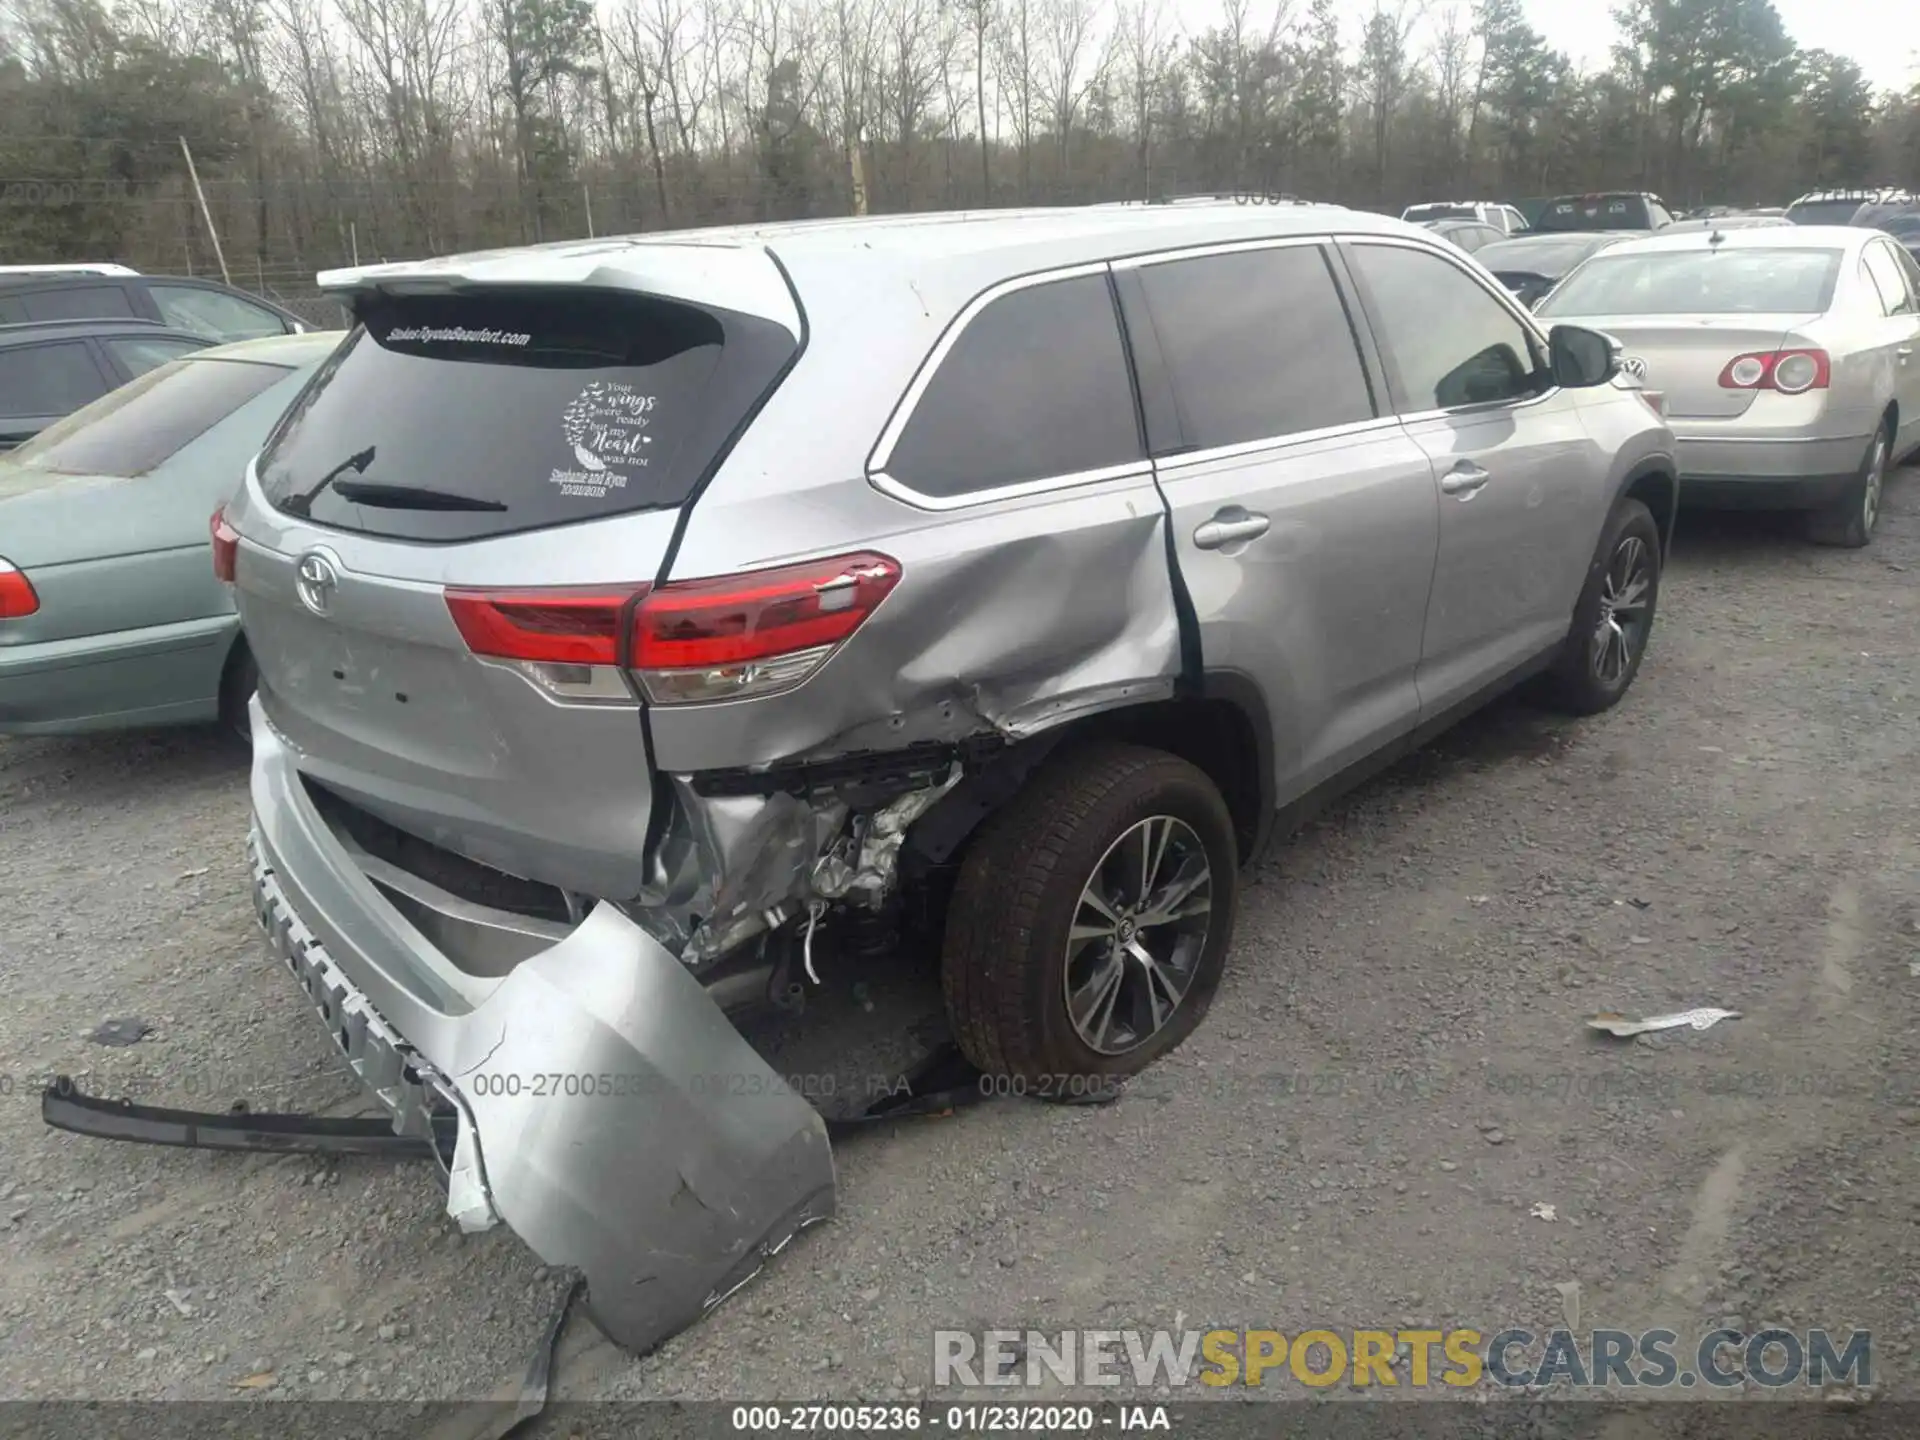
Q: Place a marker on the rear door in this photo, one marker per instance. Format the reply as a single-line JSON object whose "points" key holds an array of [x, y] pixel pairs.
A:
{"points": [[528, 449], [1304, 517], [1900, 335], [1521, 485], [40, 383]]}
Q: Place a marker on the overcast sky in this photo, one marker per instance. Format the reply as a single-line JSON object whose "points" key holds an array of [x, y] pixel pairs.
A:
{"points": [[1882, 36]]}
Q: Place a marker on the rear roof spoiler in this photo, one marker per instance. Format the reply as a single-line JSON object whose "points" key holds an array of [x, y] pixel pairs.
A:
{"points": [[731, 277]]}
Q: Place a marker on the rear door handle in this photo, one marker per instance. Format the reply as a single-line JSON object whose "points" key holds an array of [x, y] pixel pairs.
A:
{"points": [[1464, 479], [1229, 525]]}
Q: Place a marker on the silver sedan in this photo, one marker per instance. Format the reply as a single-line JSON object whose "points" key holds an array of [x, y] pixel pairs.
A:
{"points": [[1784, 359]]}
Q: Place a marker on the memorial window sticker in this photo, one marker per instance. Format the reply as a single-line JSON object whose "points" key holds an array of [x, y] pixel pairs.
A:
{"points": [[605, 426]]}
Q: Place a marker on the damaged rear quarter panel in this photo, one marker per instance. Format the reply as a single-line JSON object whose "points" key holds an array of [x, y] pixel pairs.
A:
{"points": [[1007, 618], [1010, 616]]}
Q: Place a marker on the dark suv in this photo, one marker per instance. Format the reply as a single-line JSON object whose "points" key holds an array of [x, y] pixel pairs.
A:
{"points": [[1607, 210], [201, 307]]}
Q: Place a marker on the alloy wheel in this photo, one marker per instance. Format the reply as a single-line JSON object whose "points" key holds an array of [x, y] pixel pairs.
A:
{"points": [[1876, 479], [1137, 935], [1626, 611]]}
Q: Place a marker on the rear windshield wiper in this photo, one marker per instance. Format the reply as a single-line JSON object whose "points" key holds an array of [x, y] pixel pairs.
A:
{"points": [[409, 497]]}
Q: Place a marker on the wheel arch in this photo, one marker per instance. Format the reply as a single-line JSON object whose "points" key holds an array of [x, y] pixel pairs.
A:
{"points": [[1222, 730], [1654, 483]]}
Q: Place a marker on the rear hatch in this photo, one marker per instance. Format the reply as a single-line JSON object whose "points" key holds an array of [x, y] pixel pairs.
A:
{"points": [[442, 545], [1686, 355]]}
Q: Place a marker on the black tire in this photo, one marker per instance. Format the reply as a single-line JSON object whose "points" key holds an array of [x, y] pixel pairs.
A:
{"points": [[1849, 522], [1005, 962], [1587, 678], [237, 684]]}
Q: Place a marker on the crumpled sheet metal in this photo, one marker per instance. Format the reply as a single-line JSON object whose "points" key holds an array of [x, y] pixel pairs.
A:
{"points": [[997, 627], [623, 1127], [750, 855], [864, 872]]}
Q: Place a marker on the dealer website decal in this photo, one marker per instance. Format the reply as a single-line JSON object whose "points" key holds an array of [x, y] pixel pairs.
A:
{"points": [[457, 335]]}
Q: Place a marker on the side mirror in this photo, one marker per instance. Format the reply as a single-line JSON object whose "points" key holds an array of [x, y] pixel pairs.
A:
{"points": [[1581, 358]]}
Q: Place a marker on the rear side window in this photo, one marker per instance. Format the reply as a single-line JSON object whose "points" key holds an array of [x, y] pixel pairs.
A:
{"points": [[141, 353], [48, 379], [78, 302], [214, 313], [1257, 345], [147, 420], [453, 417], [1035, 388]]}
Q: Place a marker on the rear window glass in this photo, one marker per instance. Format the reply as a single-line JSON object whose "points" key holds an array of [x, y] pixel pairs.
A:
{"points": [[1598, 212], [146, 421], [1700, 282], [1441, 212], [1035, 388], [1257, 344], [454, 417]]}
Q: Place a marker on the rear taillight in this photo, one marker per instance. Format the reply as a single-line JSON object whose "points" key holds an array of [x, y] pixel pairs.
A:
{"points": [[1791, 372], [753, 633], [735, 636], [226, 545], [16, 593]]}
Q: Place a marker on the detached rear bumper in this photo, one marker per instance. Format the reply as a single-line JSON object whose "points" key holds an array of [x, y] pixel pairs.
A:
{"points": [[606, 1110]]}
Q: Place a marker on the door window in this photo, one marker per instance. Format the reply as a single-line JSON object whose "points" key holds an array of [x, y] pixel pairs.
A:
{"points": [[78, 302], [1450, 343], [1036, 387], [48, 379], [1257, 345], [214, 313]]}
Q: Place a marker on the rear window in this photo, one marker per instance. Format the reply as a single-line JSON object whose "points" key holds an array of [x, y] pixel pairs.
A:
{"points": [[148, 420], [446, 418], [1700, 282], [1440, 212], [1596, 212]]}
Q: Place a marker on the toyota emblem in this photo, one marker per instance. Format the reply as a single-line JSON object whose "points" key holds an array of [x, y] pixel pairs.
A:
{"points": [[316, 579], [1634, 366]]}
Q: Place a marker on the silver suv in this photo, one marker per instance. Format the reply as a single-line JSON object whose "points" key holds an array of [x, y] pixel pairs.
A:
{"points": [[636, 619]]}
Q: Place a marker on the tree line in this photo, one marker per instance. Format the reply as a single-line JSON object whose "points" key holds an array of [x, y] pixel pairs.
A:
{"points": [[322, 131]]}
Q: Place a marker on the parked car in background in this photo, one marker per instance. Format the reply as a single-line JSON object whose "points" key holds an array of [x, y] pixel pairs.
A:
{"points": [[202, 307], [1737, 220], [1876, 214], [1531, 265], [1786, 359], [997, 638], [1504, 218], [76, 268], [1469, 235], [1838, 207], [49, 370], [110, 613], [1906, 230], [1604, 210]]}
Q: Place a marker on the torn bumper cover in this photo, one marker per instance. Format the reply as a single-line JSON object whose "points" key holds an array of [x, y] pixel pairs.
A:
{"points": [[604, 1107]]}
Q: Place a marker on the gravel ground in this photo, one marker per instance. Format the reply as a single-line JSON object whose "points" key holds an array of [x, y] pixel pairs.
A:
{"points": [[1394, 1075]]}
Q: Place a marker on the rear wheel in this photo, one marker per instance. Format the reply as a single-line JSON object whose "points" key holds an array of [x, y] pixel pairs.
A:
{"points": [[1849, 522], [1614, 619], [1089, 926]]}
